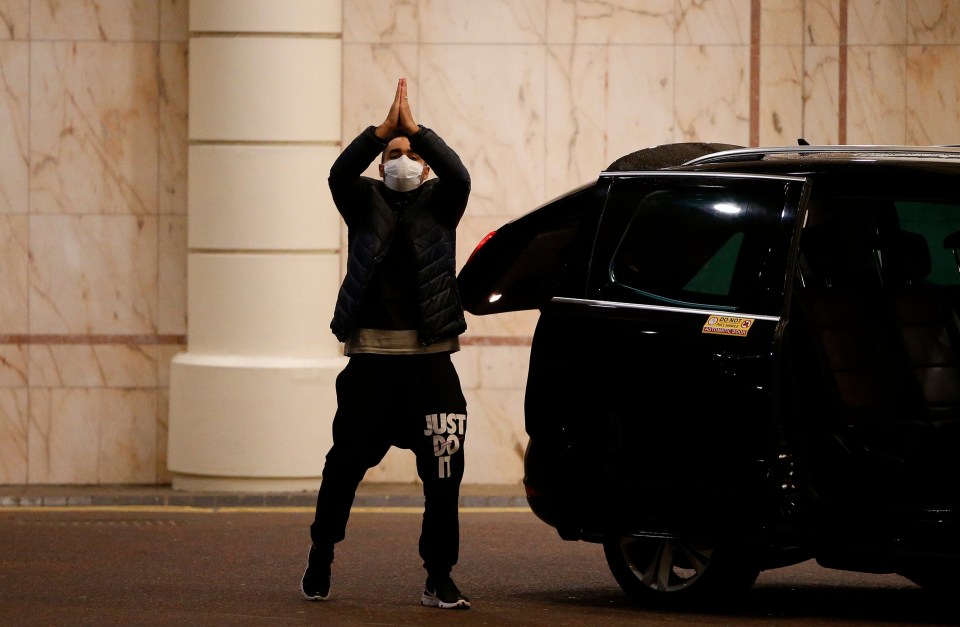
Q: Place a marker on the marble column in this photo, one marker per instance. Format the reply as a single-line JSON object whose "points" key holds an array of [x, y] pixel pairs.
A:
{"points": [[252, 398]]}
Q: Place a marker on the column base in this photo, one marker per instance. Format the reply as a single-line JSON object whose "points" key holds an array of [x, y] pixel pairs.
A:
{"points": [[250, 423]]}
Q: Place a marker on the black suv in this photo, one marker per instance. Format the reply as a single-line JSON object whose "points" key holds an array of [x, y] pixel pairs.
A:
{"points": [[745, 358]]}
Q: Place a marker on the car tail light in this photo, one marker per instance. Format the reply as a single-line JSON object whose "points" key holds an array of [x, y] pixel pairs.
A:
{"points": [[480, 245]]}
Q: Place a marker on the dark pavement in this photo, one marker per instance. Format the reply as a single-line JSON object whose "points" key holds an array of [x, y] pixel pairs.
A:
{"points": [[120, 561]]}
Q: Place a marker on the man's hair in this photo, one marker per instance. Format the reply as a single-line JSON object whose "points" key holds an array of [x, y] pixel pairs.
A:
{"points": [[383, 154]]}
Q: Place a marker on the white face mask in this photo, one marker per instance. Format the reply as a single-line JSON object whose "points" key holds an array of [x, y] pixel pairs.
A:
{"points": [[402, 174]]}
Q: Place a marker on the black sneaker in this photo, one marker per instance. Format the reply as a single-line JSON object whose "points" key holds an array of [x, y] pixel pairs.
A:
{"points": [[443, 593], [315, 583]]}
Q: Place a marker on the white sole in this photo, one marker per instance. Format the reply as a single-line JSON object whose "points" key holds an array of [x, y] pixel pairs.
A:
{"points": [[304, 592], [432, 601]]}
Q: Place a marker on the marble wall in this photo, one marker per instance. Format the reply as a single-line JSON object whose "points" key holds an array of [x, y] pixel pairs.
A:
{"points": [[537, 96], [92, 225]]}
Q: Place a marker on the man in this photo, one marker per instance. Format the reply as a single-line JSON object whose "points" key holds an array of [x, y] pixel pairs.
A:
{"points": [[399, 316]]}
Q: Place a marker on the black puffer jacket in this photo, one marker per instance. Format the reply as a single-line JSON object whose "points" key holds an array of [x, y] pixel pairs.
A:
{"points": [[430, 222]]}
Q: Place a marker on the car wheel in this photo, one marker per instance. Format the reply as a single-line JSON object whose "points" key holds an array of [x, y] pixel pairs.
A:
{"points": [[651, 569]]}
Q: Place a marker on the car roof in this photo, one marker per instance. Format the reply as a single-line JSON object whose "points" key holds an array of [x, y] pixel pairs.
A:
{"points": [[800, 158], [809, 153]]}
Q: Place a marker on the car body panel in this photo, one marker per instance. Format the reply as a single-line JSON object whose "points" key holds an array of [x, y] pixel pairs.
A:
{"points": [[520, 265], [615, 440]]}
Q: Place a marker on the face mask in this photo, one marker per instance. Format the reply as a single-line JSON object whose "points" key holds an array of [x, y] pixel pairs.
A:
{"points": [[402, 174]]}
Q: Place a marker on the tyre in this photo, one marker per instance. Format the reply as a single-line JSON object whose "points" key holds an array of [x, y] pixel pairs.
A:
{"points": [[665, 570]]}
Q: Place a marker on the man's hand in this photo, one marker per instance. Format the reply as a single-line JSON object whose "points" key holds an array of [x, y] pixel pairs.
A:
{"points": [[406, 122], [399, 120]]}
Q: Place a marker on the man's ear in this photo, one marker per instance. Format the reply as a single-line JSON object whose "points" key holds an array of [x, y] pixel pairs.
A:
{"points": [[425, 173], [381, 170]]}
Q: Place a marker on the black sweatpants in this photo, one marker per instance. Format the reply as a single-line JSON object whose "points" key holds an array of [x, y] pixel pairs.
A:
{"points": [[412, 402]]}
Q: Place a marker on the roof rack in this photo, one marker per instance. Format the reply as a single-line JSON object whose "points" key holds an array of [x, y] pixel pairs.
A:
{"points": [[888, 151]]}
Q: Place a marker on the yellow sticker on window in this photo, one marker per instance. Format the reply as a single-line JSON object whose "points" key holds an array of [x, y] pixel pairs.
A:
{"points": [[728, 325]]}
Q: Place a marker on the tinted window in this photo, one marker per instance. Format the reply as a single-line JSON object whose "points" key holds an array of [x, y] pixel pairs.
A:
{"points": [[936, 222], [699, 246], [882, 241]]}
